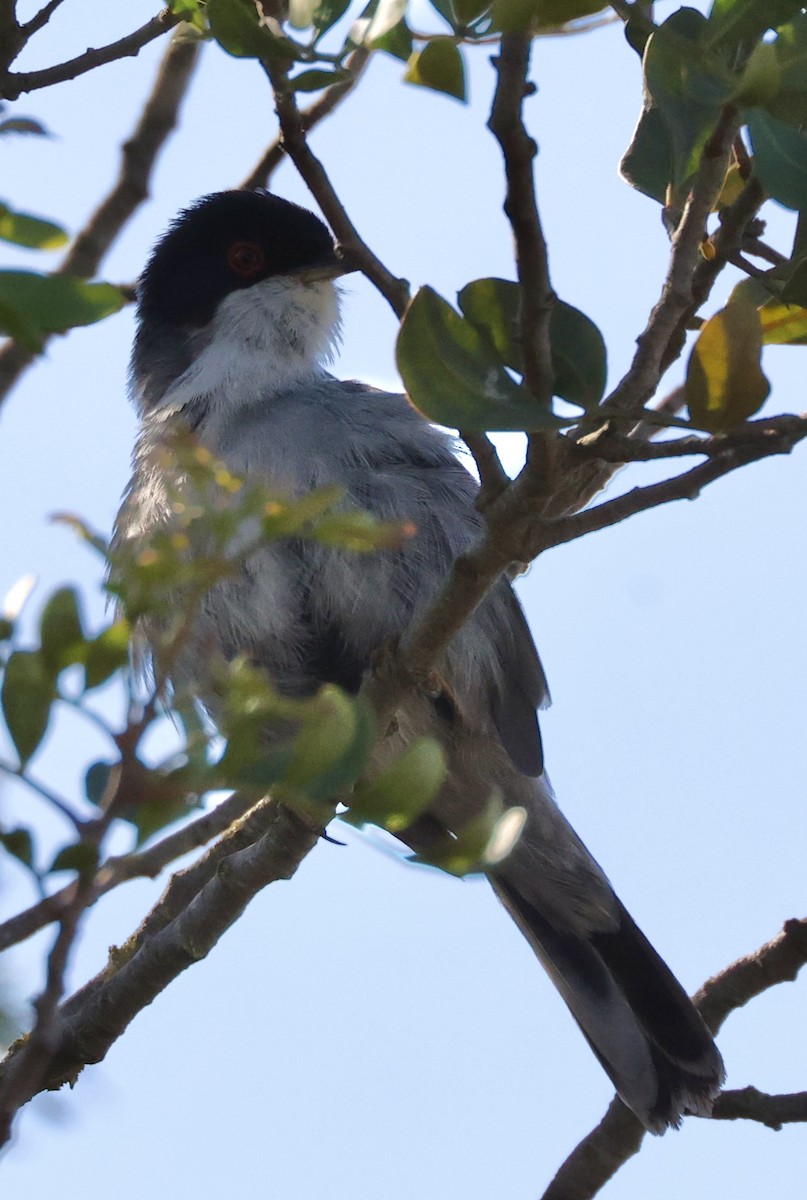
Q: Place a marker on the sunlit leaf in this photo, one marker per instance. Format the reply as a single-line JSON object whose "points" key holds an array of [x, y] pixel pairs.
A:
{"points": [[783, 324], [533, 16], [386, 17], [438, 66], [27, 696], [23, 229], [725, 383], [55, 303], [454, 376]]}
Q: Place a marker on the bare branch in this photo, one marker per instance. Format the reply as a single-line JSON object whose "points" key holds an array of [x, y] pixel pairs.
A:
{"points": [[147, 863], [138, 156], [778, 961], [749, 1104], [40, 19], [599, 1156], [16, 83], [493, 479], [330, 99], [293, 134], [506, 123], [93, 1018]]}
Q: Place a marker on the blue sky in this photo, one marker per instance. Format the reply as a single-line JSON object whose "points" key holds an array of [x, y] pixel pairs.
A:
{"points": [[372, 1029]]}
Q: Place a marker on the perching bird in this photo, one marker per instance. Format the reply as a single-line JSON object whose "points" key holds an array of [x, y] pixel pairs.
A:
{"points": [[238, 313]]}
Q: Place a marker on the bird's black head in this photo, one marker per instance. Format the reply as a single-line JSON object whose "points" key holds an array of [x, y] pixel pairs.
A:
{"points": [[225, 242]]}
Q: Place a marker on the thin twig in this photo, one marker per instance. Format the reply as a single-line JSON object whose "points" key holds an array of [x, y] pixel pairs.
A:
{"points": [[778, 961], [395, 291], [141, 864], [138, 156], [40, 19], [322, 107], [749, 1104], [15, 83], [493, 479]]}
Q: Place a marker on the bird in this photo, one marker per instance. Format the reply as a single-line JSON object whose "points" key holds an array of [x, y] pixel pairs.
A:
{"points": [[238, 320]]}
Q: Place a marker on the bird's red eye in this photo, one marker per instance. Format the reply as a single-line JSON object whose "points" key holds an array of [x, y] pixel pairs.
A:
{"points": [[246, 259]]}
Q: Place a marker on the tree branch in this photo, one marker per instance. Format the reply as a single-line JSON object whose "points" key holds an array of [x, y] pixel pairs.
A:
{"points": [[40, 19], [138, 156], [619, 1135], [293, 136], [95, 1016], [322, 107], [148, 863], [15, 83]]}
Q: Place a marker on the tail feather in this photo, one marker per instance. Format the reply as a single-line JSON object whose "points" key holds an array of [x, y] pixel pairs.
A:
{"points": [[634, 1013]]}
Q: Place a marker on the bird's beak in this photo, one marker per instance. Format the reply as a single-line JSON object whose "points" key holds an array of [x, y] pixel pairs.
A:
{"points": [[332, 267]]}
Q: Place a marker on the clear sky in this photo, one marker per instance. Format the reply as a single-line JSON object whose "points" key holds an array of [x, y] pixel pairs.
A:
{"points": [[371, 1029]]}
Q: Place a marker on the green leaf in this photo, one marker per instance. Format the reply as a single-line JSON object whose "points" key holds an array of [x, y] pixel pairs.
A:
{"points": [[55, 303], [192, 11], [399, 794], [535, 16], [795, 289], [60, 630], [96, 781], [106, 654], [454, 376], [397, 42], [687, 86], [468, 11], [327, 13], [27, 696], [725, 384], [18, 842], [80, 857], [237, 27], [578, 350], [386, 16], [301, 13], [647, 164], [438, 66], [22, 229], [783, 324], [761, 76], [732, 22], [780, 158], [314, 80], [325, 739]]}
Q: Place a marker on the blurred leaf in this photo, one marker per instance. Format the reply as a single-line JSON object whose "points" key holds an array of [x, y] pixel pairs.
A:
{"points": [[60, 630], [17, 596], [733, 184], [192, 11], [18, 842], [301, 13], [27, 695], [6, 629], [732, 22], [468, 11], [22, 229], [325, 739], [106, 654], [385, 18], [780, 158], [725, 384], [439, 66], [360, 531], [55, 303], [399, 794], [783, 324], [647, 164], [761, 76], [795, 289], [96, 781], [80, 857], [162, 809], [533, 16], [578, 349], [315, 80], [454, 376], [328, 12], [25, 125], [397, 42]]}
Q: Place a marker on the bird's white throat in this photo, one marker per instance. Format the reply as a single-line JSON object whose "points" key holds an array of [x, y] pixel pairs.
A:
{"points": [[260, 341]]}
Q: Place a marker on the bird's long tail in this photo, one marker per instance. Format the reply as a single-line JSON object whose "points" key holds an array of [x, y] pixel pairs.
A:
{"points": [[634, 1013]]}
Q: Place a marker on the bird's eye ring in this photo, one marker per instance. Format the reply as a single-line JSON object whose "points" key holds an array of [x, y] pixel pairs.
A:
{"points": [[246, 259]]}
